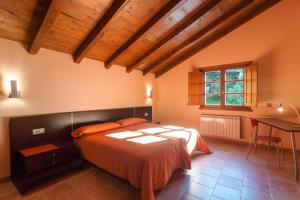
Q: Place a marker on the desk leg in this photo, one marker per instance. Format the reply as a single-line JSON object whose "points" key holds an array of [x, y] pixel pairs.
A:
{"points": [[270, 134], [295, 156]]}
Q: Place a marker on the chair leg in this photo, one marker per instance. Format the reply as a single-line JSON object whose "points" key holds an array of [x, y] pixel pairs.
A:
{"points": [[255, 141], [249, 148], [282, 149], [278, 157]]}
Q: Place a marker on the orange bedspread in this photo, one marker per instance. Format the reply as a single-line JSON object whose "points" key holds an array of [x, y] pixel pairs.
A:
{"points": [[146, 160]]}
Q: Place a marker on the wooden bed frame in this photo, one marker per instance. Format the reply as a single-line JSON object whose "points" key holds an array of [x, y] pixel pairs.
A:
{"points": [[57, 131]]}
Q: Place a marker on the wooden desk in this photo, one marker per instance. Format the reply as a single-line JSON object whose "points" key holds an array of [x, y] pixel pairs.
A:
{"points": [[286, 126]]}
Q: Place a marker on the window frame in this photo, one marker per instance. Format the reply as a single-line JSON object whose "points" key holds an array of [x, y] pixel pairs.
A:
{"points": [[222, 105]]}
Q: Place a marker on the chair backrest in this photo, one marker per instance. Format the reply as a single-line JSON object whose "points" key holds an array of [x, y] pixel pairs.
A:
{"points": [[254, 122]]}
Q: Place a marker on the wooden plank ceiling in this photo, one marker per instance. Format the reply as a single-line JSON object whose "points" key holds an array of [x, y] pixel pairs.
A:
{"points": [[151, 36]]}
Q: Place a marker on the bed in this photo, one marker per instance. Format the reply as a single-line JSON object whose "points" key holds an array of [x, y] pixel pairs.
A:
{"points": [[143, 153]]}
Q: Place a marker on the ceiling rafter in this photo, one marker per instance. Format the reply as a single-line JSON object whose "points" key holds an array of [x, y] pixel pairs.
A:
{"points": [[95, 34], [197, 35], [52, 12], [188, 20], [216, 36], [84, 29], [158, 16]]}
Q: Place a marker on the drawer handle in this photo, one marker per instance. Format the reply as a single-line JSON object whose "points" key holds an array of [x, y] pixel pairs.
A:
{"points": [[53, 154]]}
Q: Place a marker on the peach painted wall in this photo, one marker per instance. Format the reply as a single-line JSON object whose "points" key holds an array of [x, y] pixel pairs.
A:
{"points": [[51, 82], [272, 40]]}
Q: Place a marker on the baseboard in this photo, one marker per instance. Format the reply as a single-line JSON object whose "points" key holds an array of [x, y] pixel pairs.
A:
{"points": [[228, 140], [5, 179], [241, 142]]}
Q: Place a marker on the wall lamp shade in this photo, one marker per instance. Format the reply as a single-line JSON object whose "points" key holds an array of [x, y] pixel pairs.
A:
{"points": [[14, 93]]}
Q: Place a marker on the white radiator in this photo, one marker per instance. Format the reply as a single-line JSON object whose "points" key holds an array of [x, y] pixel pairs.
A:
{"points": [[220, 126]]}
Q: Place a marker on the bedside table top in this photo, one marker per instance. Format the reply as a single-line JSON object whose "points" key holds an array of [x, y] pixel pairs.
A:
{"points": [[37, 150]]}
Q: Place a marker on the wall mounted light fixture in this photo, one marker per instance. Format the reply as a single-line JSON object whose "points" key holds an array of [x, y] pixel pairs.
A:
{"points": [[14, 93], [149, 94]]}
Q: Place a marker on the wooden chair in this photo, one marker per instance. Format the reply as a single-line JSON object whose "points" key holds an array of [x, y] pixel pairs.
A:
{"points": [[255, 137]]}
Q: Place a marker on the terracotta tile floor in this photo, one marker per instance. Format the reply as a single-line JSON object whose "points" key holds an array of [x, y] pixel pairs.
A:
{"points": [[225, 174]]}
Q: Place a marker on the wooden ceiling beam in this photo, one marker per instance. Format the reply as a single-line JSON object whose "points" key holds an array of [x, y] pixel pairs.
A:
{"points": [[52, 12], [197, 35], [95, 34], [188, 20], [161, 13], [216, 36]]}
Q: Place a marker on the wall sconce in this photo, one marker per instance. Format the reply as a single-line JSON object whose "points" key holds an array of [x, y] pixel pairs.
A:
{"points": [[14, 93], [149, 94]]}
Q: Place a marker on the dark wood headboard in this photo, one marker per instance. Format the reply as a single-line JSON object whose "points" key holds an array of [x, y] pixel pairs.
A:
{"points": [[96, 116], [59, 126]]}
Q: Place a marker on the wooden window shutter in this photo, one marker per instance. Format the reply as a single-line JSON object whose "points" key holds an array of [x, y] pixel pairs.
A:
{"points": [[195, 88], [250, 85]]}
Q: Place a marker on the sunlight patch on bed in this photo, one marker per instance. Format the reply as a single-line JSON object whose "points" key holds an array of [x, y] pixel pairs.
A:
{"points": [[178, 134], [123, 135], [146, 139], [193, 139], [173, 127], [153, 130]]}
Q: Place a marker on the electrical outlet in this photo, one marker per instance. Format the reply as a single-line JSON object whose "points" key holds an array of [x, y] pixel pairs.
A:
{"points": [[146, 114], [42, 130], [269, 105], [38, 131]]}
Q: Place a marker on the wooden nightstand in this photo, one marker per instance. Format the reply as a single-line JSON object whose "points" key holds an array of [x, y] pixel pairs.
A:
{"points": [[154, 122], [39, 163]]}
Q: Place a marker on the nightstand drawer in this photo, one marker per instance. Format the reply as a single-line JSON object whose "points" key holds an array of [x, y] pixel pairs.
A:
{"points": [[49, 159], [37, 163], [63, 155]]}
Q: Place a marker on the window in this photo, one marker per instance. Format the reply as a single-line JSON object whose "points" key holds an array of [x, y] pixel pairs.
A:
{"points": [[212, 88], [232, 86], [224, 87]]}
